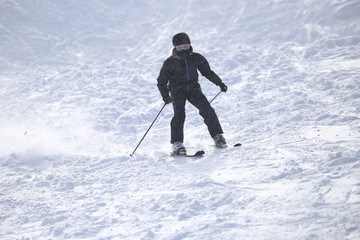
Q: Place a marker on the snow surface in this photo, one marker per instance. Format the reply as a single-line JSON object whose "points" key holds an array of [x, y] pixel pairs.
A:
{"points": [[78, 91]]}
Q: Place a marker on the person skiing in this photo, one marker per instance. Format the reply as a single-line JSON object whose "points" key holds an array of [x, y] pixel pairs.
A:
{"points": [[178, 81]]}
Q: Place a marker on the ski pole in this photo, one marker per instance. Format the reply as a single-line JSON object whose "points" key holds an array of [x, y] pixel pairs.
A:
{"points": [[147, 130], [215, 96]]}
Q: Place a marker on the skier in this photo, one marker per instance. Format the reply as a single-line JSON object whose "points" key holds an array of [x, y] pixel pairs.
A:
{"points": [[178, 81]]}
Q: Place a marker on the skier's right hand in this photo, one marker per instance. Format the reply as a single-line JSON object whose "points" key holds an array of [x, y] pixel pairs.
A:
{"points": [[167, 99]]}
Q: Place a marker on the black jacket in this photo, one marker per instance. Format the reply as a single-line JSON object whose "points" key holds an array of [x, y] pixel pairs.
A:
{"points": [[179, 73]]}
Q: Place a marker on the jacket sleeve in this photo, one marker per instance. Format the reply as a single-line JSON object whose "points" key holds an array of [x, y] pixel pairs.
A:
{"points": [[206, 71], [163, 79]]}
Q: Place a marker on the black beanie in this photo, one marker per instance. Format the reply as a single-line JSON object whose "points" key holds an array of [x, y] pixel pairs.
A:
{"points": [[180, 38]]}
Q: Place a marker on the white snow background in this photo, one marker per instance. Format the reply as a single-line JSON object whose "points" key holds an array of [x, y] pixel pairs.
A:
{"points": [[78, 91]]}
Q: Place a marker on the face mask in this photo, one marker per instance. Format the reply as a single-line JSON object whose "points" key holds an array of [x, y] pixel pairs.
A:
{"points": [[184, 53]]}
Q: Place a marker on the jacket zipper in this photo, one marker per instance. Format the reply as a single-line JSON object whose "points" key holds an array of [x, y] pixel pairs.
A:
{"points": [[187, 76]]}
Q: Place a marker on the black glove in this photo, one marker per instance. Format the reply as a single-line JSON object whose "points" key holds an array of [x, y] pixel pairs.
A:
{"points": [[223, 87], [167, 99]]}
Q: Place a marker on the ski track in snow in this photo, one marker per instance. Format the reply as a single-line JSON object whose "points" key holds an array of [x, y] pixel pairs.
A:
{"points": [[78, 91]]}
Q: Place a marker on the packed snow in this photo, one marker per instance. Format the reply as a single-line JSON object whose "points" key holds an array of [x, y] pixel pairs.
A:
{"points": [[78, 92]]}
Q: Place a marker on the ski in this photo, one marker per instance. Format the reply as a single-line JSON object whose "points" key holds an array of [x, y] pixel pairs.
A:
{"points": [[197, 154], [235, 145], [224, 147]]}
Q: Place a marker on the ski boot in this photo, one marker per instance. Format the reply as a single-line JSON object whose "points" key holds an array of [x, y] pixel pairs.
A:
{"points": [[220, 141], [178, 149]]}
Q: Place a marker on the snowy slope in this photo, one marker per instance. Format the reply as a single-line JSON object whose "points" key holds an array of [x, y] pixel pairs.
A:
{"points": [[78, 91]]}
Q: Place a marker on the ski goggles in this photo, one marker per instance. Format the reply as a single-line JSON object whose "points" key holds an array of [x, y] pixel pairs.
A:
{"points": [[182, 47]]}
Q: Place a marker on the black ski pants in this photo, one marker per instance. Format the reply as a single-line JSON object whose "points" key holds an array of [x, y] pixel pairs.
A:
{"points": [[198, 99]]}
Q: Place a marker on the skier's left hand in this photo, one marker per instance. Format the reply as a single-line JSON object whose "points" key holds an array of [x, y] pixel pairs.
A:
{"points": [[223, 87]]}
